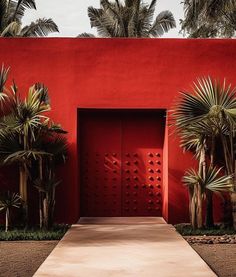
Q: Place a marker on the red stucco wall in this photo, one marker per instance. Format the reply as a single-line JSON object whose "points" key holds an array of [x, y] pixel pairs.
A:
{"points": [[117, 73]]}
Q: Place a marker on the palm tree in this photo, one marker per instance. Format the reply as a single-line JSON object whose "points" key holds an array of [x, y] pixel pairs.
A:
{"points": [[30, 139], [132, 18], [54, 143], [204, 116], [18, 132], [199, 184], [7, 202], [207, 18], [11, 14]]}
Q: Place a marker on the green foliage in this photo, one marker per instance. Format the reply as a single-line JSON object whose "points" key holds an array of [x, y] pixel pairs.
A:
{"points": [[11, 14], [32, 141], [217, 230], [3, 78], [203, 118], [212, 180], [7, 202], [129, 19], [55, 233], [208, 18], [10, 200]]}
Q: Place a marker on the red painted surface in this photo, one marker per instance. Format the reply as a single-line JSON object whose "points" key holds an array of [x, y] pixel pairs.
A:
{"points": [[117, 73], [121, 162]]}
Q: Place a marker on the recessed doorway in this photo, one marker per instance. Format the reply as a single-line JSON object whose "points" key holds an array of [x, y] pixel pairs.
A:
{"points": [[121, 162]]}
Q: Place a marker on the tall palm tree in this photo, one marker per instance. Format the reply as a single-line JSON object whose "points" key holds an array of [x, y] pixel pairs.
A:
{"points": [[29, 139], [209, 18], [11, 14], [133, 18], [204, 116], [18, 135]]}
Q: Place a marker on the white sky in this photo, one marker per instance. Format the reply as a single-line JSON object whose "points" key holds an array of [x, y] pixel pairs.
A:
{"points": [[71, 15]]}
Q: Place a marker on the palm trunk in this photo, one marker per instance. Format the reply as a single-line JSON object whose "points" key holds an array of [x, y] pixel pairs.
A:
{"points": [[209, 222], [233, 199], [7, 220], [193, 211], [209, 209], [45, 212], [233, 203], [202, 172], [199, 207], [227, 156], [40, 195], [23, 190], [51, 194]]}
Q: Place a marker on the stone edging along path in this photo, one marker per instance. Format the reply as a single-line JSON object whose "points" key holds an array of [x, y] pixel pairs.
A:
{"points": [[230, 239]]}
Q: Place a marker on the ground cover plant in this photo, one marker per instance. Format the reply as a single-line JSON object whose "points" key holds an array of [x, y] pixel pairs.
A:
{"points": [[218, 230], [56, 232]]}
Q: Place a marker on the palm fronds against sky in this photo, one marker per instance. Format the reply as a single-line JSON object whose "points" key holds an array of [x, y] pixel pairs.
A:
{"points": [[11, 15], [131, 18]]}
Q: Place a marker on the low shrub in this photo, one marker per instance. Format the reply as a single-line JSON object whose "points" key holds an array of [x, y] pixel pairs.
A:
{"points": [[55, 233], [218, 230]]}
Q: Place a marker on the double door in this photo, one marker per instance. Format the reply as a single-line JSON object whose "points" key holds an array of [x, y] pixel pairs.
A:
{"points": [[121, 163]]}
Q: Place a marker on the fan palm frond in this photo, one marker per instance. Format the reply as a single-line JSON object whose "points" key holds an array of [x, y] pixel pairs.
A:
{"points": [[129, 19], [7, 202], [43, 93], [56, 128], [163, 23], [46, 186], [210, 100], [212, 181], [11, 14], [9, 144], [10, 200], [57, 147], [86, 35], [3, 78], [25, 156], [18, 8], [40, 28], [208, 18]]}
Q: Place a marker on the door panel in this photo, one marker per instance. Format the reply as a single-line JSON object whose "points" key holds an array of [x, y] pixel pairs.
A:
{"points": [[100, 164], [121, 163], [142, 143]]}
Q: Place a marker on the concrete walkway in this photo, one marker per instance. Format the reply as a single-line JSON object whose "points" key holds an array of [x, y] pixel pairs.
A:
{"points": [[120, 247]]}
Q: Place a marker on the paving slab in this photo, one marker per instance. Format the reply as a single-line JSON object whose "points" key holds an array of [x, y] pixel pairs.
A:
{"points": [[120, 247]]}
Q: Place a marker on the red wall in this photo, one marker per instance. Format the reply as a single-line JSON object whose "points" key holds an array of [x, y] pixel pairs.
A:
{"points": [[117, 73]]}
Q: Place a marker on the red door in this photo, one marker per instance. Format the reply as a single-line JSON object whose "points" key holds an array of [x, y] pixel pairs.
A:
{"points": [[121, 163], [100, 164]]}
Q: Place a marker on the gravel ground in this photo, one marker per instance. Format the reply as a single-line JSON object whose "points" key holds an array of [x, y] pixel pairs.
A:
{"points": [[23, 258], [220, 257], [228, 239]]}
